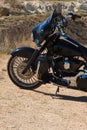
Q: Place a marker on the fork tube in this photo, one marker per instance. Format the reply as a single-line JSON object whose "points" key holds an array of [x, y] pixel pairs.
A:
{"points": [[33, 58]]}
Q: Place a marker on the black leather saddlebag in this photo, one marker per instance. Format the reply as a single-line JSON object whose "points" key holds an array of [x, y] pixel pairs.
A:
{"points": [[82, 82]]}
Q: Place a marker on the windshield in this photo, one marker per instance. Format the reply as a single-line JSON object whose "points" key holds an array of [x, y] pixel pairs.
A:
{"points": [[45, 28]]}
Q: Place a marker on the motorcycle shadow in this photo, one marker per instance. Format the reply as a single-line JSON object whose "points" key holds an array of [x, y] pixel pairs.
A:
{"points": [[64, 97]]}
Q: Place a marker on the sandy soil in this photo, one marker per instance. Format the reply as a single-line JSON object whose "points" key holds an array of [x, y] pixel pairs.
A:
{"points": [[40, 109]]}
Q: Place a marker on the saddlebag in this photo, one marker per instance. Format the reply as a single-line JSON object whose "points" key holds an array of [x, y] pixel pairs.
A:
{"points": [[82, 82]]}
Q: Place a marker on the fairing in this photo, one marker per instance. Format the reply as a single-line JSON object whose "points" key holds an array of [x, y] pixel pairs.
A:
{"points": [[40, 30], [45, 28]]}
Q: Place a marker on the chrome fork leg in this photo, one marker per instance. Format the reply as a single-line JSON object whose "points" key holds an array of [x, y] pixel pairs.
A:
{"points": [[38, 67]]}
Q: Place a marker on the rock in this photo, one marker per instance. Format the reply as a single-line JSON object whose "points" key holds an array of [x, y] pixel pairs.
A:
{"points": [[4, 11], [71, 7], [38, 6], [28, 7], [83, 6]]}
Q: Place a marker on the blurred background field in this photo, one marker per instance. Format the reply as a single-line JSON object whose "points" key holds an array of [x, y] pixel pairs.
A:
{"points": [[17, 17]]}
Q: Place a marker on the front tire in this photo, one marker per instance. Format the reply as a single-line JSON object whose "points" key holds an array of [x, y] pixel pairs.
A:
{"points": [[26, 81]]}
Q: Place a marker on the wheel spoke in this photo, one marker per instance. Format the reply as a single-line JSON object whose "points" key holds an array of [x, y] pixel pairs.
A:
{"points": [[19, 64]]}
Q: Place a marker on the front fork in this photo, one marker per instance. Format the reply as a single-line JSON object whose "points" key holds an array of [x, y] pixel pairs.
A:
{"points": [[33, 58], [85, 68]]}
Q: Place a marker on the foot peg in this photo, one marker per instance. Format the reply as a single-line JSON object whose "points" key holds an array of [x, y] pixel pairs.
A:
{"points": [[60, 82]]}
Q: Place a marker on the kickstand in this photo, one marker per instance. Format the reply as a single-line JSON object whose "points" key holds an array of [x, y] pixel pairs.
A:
{"points": [[57, 91]]}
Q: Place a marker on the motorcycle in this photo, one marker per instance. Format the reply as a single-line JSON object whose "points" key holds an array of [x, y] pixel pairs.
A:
{"points": [[56, 57]]}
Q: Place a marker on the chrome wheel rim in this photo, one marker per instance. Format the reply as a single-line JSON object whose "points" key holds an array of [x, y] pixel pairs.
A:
{"points": [[17, 66]]}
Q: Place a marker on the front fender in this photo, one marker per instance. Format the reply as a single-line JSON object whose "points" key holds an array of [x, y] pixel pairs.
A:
{"points": [[23, 52]]}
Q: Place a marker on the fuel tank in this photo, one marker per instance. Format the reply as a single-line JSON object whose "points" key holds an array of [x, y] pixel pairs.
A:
{"points": [[66, 46]]}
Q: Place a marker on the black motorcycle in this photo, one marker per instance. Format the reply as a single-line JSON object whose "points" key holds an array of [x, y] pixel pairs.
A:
{"points": [[56, 57]]}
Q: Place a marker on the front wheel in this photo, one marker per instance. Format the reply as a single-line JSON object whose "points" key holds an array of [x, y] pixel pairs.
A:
{"points": [[15, 67]]}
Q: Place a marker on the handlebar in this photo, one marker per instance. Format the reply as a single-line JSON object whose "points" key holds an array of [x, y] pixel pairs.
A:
{"points": [[60, 26], [73, 16]]}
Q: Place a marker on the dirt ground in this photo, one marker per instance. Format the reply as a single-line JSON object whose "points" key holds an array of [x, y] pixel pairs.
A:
{"points": [[40, 109]]}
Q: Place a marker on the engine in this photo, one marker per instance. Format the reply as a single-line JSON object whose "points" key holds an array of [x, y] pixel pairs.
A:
{"points": [[66, 66]]}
